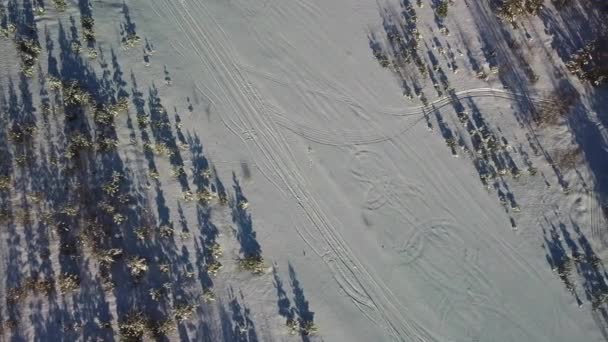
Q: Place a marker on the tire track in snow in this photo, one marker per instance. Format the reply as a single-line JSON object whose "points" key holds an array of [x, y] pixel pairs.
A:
{"points": [[343, 97], [372, 136], [385, 187], [465, 294], [367, 293], [464, 289]]}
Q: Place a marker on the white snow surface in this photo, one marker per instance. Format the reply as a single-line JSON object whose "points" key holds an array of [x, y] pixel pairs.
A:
{"points": [[391, 236]]}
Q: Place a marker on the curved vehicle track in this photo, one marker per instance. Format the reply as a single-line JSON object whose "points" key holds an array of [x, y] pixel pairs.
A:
{"points": [[371, 136]]}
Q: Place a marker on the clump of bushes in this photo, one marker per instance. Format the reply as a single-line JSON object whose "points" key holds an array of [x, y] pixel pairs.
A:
{"points": [[442, 9], [87, 28], [208, 296], [107, 256], [138, 266], [44, 286], [8, 30], [16, 295], [183, 312], [6, 182], [54, 83], [112, 187], [61, 5], [213, 267], [20, 133], [253, 263], [557, 106], [78, 142], [216, 250], [107, 144], [160, 149], [590, 63], [105, 114], [165, 231], [68, 283], [302, 327], [567, 159], [382, 59], [203, 196], [29, 51], [308, 328], [74, 95], [134, 327], [130, 41], [31, 284], [512, 10], [163, 327]]}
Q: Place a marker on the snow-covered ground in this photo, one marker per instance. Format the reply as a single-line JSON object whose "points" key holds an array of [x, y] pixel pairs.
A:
{"points": [[388, 204]]}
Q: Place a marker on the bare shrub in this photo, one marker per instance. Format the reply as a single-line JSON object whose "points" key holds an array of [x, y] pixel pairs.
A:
{"points": [[61, 5], [208, 296], [44, 286], [16, 295], [567, 159], [138, 266], [164, 327], [254, 264], [9, 30], [28, 50], [159, 149], [107, 256], [22, 132], [78, 142], [216, 250], [74, 95], [107, 144], [512, 10], [556, 107], [308, 328], [183, 312], [589, 63], [130, 41], [111, 188], [213, 267], [442, 9], [134, 327], [302, 327], [166, 231], [68, 283], [5, 183], [87, 28]]}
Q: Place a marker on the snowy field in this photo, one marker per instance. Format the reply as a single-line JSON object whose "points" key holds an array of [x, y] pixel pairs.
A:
{"points": [[315, 170]]}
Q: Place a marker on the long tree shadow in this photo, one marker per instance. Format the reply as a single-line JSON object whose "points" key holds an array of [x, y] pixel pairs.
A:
{"points": [[242, 218], [589, 135], [284, 304], [302, 309], [578, 255], [238, 327]]}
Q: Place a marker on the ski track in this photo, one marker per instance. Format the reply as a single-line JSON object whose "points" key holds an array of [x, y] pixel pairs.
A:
{"points": [[273, 157], [259, 127]]}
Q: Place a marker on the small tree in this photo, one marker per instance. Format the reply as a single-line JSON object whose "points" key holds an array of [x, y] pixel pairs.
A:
{"points": [[442, 9], [68, 283], [253, 263], [134, 327], [183, 312], [138, 266]]}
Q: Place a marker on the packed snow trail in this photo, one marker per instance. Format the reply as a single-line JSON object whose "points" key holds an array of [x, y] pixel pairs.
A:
{"points": [[271, 153], [259, 126]]}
